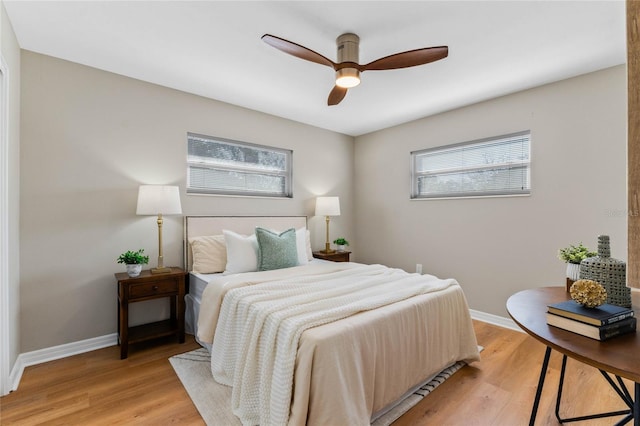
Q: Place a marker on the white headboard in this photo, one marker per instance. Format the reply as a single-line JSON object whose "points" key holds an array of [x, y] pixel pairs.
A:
{"points": [[199, 226]]}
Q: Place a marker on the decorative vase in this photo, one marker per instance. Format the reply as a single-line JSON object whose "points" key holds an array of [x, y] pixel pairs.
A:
{"points": [[133, 270], [609, 272], [573, 271], [341, 247]]}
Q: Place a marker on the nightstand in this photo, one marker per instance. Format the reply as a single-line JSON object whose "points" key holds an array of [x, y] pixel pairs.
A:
{"points": [[149, 286], [336, 256]]}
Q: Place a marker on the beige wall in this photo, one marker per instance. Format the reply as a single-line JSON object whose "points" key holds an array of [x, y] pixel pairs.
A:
{"points": [[498, 246], [11, 55], [89, 138]]}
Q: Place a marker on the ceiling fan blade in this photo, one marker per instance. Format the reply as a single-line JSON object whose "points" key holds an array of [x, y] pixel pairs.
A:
{"points": [[407, 59], [296, 50], [337, 95]]}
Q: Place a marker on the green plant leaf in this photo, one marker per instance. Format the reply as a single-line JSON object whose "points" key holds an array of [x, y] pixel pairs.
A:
{"points": [[133, 258]]}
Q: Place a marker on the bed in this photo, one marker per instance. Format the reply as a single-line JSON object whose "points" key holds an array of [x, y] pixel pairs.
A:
{"points": [[322, 342]]}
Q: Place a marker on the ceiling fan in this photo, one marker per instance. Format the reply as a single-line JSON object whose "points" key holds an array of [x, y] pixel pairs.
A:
{"points": [[347, 68]]}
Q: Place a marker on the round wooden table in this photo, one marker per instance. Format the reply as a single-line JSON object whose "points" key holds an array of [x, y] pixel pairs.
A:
{"points": [[619, 356]]}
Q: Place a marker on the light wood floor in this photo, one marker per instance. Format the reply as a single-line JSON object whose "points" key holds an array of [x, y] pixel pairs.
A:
{"points": [[98, 388]]}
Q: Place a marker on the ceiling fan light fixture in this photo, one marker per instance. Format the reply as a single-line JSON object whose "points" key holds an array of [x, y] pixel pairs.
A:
{"points": [[348, 67], [347, 77]]}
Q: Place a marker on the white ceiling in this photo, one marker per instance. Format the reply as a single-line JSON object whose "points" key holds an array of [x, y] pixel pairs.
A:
{"points": [[213, 49]]}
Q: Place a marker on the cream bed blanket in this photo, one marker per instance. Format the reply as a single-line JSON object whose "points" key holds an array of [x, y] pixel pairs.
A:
{"points": [[352, 360]]}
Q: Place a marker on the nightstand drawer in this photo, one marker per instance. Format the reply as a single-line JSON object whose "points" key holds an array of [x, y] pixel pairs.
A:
{"points": [[153, 288]]}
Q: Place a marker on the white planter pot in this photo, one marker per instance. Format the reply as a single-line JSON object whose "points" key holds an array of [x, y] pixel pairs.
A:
{"points": [[341, 248], [134, 270], [573, 271]]}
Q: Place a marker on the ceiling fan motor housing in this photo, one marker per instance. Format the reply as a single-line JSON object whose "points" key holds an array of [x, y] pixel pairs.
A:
{"points": [[348, 47]]}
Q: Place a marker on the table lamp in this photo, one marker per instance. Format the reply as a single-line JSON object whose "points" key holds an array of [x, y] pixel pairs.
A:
{"points": [[327, 206], [159, 200]]}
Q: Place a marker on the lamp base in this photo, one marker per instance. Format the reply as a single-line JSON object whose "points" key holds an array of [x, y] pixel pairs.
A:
{"points": [[327, 246], [160, 270]]}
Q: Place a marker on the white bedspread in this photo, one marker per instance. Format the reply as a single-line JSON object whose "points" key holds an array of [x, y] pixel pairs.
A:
{"points": [[260, 326], [214, 293], [256, 348]]}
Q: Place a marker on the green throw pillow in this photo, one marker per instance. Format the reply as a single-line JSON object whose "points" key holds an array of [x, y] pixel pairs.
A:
{"points": [[276, 251]]}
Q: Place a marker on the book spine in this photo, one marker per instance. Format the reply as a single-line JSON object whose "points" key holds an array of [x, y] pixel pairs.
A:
{"points": [[588, 320], [613, 331], [618, 318]]}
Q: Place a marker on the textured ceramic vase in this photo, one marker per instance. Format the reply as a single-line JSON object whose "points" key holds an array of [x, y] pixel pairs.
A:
{"points": [[609, 272]]}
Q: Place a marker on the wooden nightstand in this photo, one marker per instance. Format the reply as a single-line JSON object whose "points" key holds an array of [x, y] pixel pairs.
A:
{"points": [[149, 286], [336, 256]]}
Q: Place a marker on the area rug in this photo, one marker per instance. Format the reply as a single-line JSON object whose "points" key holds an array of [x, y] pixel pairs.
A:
{"points": [[213, 400]]}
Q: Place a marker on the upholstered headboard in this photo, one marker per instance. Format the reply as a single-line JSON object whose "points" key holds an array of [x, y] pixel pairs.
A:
{"points": [[199, 226]]}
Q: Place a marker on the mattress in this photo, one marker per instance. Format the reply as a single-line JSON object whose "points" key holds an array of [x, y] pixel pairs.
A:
{"points": [[198, 282]]}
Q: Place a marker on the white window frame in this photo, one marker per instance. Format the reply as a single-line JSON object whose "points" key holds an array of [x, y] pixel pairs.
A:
{"points": [[416, 174], [243, 168]]}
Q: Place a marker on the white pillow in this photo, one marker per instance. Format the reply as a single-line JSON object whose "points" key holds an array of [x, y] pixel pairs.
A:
{"points": [[301, 246], [208, 254], [309, 251], [242, 252]]}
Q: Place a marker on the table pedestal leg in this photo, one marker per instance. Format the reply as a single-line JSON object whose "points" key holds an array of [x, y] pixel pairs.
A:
{"points": [[636, 405], [543, 374], [621, 390]]}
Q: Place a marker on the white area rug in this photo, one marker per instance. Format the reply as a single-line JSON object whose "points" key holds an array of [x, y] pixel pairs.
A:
{"points": [[213, 400]]}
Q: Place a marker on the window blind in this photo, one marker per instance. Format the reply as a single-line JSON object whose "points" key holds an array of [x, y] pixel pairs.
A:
{"points": [[487, 167], [221, 166]]}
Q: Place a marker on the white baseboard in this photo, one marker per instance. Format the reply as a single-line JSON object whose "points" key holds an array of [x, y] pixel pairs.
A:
{"points": [[56, 352], [495, 320], [62, 351]]}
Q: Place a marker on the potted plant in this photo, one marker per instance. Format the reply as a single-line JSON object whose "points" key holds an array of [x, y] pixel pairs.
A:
{"points": [[134, 261], [341, 242], [572, 256]]}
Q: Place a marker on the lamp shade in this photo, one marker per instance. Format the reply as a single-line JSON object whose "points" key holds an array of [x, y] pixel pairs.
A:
{"points": [[158, 199], [328, 206]]}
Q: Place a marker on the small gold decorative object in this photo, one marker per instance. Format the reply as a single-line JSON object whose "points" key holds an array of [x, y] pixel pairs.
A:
{"points": [[588, 293]]}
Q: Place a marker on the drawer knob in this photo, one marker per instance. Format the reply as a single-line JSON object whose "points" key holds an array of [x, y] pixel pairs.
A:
{"points": [[155, 288]]}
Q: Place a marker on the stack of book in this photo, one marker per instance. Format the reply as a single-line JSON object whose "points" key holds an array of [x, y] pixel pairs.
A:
{"points": [[601, 323]]}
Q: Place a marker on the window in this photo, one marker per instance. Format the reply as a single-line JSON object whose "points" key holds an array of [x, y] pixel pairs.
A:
{"points": [[221, 166], [487, 167]]}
